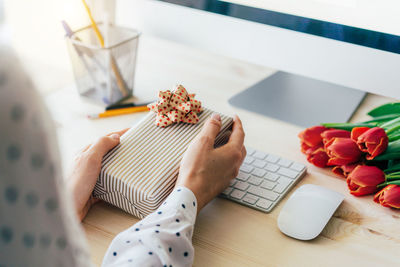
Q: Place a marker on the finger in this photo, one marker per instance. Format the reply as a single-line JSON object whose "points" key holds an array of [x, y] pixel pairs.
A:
{"points": [[237, 136], [211, 127], [105, 144], [120, 133], [85, 148], [244, 152]]}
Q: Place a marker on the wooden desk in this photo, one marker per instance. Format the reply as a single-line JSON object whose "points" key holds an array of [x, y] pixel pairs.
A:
{"points": [[361, 233]]}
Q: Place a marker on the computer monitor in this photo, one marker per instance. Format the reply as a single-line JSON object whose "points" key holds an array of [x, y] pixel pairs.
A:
{"points": [[329, 52]]}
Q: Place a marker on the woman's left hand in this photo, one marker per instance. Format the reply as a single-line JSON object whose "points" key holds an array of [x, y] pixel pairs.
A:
{"points": [[87, 168]]}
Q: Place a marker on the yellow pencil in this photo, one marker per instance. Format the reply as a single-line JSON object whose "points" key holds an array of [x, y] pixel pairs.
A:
{"points": [[115, 112], [120, 81]]}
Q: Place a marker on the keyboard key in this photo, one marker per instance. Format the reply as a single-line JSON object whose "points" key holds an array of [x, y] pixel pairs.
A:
{"points": [[287, 172], [271, 176], [268, 184], [243, 176], [246, 168], [285, 162], [248, 160], [263, 193], [250, 151], [259, 172], [263, 203], [249, 198], [297, 167], [283, 183], [263, 179], [241, 185], [259, 155], [255, 180], [227, 191], [272, 158], [259, 163], [237, 194], [271, 167]]}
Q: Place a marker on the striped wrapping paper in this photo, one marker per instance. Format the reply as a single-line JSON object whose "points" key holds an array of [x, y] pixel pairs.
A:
{"points": [[141, 171]]}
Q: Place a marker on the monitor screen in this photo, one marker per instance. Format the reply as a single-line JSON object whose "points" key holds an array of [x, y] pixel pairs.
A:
{"points": [[349, 21]]}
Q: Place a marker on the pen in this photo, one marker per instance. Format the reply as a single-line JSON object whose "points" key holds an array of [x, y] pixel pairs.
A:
{"points": [[116, 112], [127, 105]]}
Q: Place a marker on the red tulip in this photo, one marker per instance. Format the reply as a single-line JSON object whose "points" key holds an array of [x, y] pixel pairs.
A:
{"points": [[329, 134], [342, 151], [389, 196], [344, 170], [317, 156], [363, 180], [357, 131], [311, 137], [372, 141]]}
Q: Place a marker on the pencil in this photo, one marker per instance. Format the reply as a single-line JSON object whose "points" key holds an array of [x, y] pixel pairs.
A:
{"points": [[117, 112], [127, 105], [118, 76]]}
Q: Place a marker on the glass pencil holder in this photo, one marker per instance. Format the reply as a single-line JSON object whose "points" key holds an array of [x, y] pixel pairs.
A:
{"points": [[104, 66]]}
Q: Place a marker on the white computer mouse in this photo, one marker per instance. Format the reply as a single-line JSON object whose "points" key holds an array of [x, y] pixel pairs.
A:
{"points": [[307, 211]]}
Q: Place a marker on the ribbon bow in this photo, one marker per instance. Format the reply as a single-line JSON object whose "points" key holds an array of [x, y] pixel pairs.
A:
{"points": [[176, 106]]}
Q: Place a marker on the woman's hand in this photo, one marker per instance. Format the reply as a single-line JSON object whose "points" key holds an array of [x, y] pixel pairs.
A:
{"points": [[87, 169], [206, 170]]}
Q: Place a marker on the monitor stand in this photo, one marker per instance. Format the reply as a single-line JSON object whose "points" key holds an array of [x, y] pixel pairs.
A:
{"points": [[299, 100]]}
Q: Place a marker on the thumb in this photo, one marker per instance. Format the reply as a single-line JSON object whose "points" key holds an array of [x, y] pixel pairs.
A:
{"points": [[105, 144], [211, 127]]}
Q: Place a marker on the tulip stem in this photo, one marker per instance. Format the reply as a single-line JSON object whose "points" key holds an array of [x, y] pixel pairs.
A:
{"points": [[390, 123], [383, 119], [348, 126], [392, 168], [397, 182], [393, 178], [394, 136], [391, 130]]}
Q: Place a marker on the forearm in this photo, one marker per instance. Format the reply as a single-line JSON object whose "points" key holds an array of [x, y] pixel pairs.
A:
{"points": [[163, 238]]}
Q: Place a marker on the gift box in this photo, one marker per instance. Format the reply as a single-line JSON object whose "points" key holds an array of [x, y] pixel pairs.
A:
{"points": [[139, 173]]}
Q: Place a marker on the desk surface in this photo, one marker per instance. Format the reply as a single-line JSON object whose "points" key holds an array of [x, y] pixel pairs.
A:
{"points": [[228, 234]]}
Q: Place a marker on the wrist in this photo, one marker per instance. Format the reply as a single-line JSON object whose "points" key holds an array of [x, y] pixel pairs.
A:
{"points": [[196, 190]]}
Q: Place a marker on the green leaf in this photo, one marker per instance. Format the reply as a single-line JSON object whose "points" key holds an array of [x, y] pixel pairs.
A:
{"points": [[388, 156], [391, 152], [348, 126], [389, 108]]}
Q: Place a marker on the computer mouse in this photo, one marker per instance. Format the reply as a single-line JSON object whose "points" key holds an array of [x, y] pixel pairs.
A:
{"points": [[307, 211]]}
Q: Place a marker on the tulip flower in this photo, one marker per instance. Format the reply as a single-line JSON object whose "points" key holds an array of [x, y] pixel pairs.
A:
{"points": [[389, 196], [363, 180], [329, 134], [372, 141], [317, 156], [344, 170], [311, 138], [342, 151]]}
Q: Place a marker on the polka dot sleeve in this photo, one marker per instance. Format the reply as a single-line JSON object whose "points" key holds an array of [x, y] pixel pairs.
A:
{"points": [[163, 238]]}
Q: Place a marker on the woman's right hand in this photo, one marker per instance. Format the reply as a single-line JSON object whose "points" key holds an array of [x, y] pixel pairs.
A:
{"points": [[206, 170]]}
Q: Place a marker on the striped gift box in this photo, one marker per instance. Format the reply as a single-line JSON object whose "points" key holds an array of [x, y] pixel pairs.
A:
{"points": [[141, 171]]}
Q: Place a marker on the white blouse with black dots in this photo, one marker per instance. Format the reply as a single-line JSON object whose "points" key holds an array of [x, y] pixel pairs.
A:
{"points": [[38, 226]]}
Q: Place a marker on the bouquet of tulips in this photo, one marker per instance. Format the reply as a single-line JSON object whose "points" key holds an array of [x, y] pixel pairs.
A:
{"points": [[367, 154]]}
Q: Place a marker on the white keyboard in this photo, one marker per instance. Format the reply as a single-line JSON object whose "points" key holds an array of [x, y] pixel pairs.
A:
{"points": [[263, 180]]}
